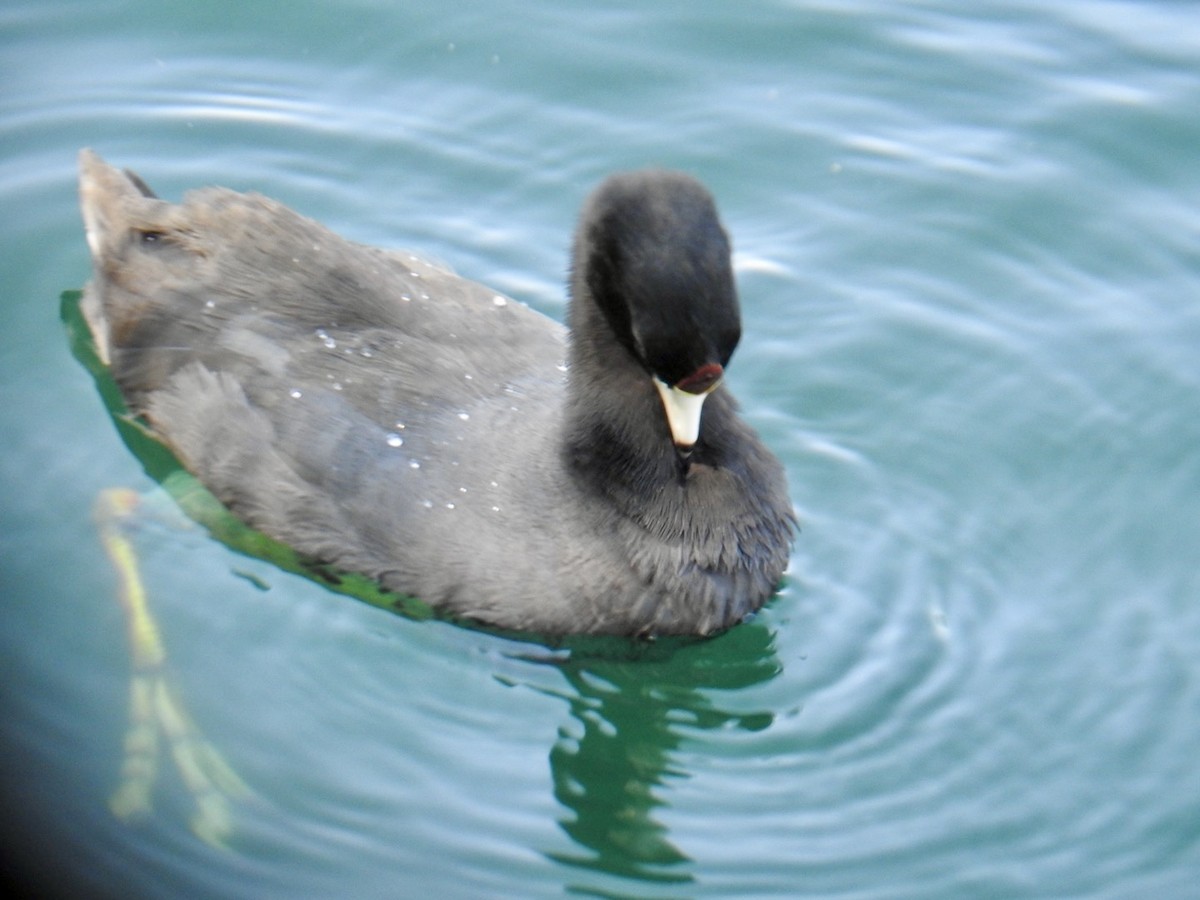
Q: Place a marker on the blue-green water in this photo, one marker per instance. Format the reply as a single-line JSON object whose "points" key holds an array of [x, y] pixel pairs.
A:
{"points": [[968, 239]]}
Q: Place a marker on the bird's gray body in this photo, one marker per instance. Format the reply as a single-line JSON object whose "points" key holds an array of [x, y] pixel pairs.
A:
{"points": [[382, 415]]}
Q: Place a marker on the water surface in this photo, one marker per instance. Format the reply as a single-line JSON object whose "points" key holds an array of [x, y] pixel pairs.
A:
{"points": [[967, 243]]}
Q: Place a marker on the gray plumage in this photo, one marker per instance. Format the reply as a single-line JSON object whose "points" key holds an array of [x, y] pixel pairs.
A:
{"points": [[378, 413]]}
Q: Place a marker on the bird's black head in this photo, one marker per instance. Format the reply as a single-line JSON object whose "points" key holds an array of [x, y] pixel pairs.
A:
{"points": [[657, 264]]}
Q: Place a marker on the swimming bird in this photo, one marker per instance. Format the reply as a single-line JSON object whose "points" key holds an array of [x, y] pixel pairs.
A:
{"points": [[381, 415]]}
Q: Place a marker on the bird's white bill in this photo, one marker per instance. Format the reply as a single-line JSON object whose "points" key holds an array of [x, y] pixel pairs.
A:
{"points": [[683, 412]]}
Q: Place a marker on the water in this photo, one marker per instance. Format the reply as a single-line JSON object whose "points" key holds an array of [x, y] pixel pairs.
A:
{"points": [[968, 243]]}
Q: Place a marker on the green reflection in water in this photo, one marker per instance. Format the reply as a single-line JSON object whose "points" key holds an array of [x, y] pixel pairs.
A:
{"points": [[633, 707]]}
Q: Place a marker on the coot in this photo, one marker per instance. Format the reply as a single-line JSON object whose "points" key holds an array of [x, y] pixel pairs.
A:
{"points": [[382, 415]]}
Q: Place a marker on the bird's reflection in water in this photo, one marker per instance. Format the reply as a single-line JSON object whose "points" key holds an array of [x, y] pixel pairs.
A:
{"points": [[613, 762]]}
